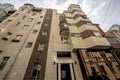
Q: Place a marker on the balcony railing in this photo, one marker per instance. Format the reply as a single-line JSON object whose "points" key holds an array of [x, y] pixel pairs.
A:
{"points": [[63, 25]]}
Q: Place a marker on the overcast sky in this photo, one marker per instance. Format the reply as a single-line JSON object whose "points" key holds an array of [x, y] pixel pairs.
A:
{"points": [[95, 9]]}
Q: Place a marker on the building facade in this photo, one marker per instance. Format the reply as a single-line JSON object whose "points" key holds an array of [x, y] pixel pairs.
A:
{"points": [[6, 10], [40, 44], [113, 36]]}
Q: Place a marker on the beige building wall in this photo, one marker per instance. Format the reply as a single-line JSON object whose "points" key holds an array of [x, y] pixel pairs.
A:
{"points": [[18, 52], [67, 35], [96, 60]]}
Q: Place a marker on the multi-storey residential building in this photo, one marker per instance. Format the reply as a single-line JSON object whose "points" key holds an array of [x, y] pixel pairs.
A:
{"points": [[113, 36], [6, 10], [40, 44], [115, 29]]}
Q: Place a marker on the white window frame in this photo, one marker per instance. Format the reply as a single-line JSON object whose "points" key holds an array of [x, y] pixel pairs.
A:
{"points": [[97, 33], [41, 47], [44, 33], [25, 27]]}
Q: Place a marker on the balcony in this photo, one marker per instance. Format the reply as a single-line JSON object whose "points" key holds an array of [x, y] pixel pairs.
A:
{"points": [[80, 15], [75, 10], [93, 42], [77, 43], [64, 30], [115, 45], [37, 9], [89, 43]]}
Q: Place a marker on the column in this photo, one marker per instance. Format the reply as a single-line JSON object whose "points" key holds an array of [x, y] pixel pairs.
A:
{"points": [[71, 71], [59, 71]]}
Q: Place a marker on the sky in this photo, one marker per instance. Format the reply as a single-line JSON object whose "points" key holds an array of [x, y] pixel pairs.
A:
{"points": [[102, 12]]}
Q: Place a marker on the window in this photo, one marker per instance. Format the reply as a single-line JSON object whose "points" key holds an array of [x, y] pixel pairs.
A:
{"points": [[84, 16], [1, 51], [34, 31], [29, 44], [75, 34], [36, 69], [91, 62], [87, 54], [44, 33], [96, 33], [7, 36], [4, 61], [65, 25], [16, 14], [21, 9], [63, 54], [41, 16], [112, 40], [102, 69], [1, 30], [94, 73], [33, 14], [88, 23], [38, 22], [48, 18], [41, 47], [25, 27], [64, 39], [112, 58], [30, 19], [24, 17], [46, 24], [17, 38], [118, 66], [28, 11], [18, 23], [8, 21]]}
